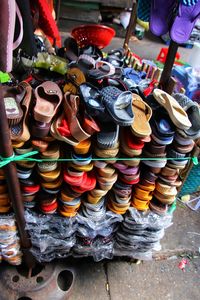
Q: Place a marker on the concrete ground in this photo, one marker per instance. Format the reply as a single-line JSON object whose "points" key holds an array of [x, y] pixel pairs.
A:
{"points": [[149, 280]]}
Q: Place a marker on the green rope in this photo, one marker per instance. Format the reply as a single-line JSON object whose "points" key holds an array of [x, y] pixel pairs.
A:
{"points": [[6, 160], [28, 157]]}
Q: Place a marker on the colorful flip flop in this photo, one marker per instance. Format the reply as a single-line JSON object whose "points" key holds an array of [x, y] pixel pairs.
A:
{"points": [[184, 22], [161, 12]]}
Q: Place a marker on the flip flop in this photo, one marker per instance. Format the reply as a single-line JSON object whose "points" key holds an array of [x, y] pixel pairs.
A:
{"points": [[48, 98], [176, 112], [102, 70], [184, 22], [71, 109], [142, 112], [108, 137], [12, 100], [118, 104], [193, 111], [20, 132], [59, 135], [91, 97], [160, 16]]}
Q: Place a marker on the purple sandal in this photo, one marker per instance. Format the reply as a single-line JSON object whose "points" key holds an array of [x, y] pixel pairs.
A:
{"points": [[184, 22], [161, 12]]}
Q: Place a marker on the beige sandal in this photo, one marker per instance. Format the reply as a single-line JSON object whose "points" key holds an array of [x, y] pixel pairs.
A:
{"points": [[142, 114], [176, 112]]}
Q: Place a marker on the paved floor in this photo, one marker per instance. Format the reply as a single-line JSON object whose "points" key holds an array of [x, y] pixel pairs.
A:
{"points": [[150, 280], [161, 280]]}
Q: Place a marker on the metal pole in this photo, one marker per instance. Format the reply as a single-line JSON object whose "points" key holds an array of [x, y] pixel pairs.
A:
{"points": [[14, 191], [166, 74], [131, 25]]}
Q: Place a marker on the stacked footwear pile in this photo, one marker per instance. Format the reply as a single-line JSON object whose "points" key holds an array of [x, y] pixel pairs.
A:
{"points": [[109, 141], [51, 237], [5, 204], [140, 234], [9, 241], [96, 234]]}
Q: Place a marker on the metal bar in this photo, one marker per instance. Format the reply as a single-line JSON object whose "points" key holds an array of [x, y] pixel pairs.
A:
{"points": [[14, 191], [131, 25], [166, 74]]}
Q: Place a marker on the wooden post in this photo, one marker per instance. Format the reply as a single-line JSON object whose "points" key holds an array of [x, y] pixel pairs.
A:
{"points": [[131, 25], [14, 191], [166, 74]]}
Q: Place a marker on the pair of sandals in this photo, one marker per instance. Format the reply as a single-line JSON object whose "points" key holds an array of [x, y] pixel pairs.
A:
{"points": [[162, 14], [108, 104]]}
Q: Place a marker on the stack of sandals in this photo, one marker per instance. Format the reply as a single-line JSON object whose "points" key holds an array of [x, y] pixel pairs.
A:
{"points": [[115, 141]]}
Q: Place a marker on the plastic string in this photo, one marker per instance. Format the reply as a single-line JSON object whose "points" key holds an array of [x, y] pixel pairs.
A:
{"points": [[28, 157]]}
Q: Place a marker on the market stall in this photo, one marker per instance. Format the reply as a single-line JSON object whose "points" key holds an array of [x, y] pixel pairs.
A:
{"points": [[94, 146]]}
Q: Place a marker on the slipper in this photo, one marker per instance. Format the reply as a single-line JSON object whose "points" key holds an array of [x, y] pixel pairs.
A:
{"points": [[108, 137], [47, 166], [142, 112], [129, 151], [176, 112], [184, 22], [53, 151], [73, 180], [161, 123], [50, 176], [183, 149], [132, 77], [193, 111], [48, 98], [160, 16], [60, 131], [89, 124], [20, 131], [118, 104], [106, 172], [107, 153], [71, 109], [182, 141], [83, 147], [162, 140], [39, 145], [132, 141], [40, 129], [157, 207], [102, 70], [81, 159], [12, 100], [91, 97], [120, 84]]}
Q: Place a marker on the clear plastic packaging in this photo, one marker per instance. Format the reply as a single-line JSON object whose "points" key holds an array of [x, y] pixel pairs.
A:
{"points": [[104, 227], [140, 234]]}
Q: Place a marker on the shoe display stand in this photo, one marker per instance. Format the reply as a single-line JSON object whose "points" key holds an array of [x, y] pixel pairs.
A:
{"points": [[14, 191]]}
